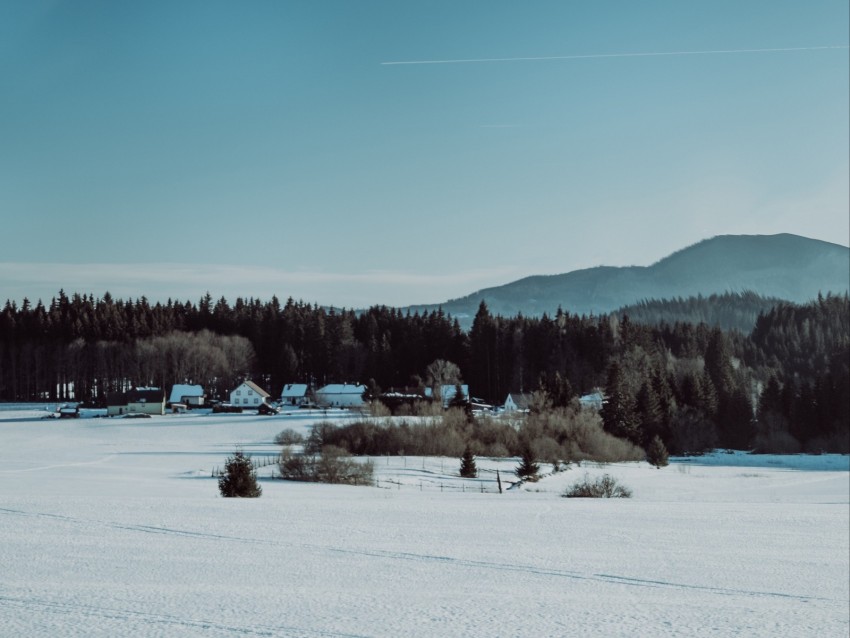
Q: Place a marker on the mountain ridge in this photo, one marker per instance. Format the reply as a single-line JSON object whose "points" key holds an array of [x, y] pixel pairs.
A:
{"points": [[785, 266]]}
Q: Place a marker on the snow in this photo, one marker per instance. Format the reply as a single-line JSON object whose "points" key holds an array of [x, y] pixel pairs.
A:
{"points": [[115, 527]]}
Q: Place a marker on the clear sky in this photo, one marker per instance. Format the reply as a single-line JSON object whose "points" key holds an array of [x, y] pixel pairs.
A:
{"points": [[167, 148]]}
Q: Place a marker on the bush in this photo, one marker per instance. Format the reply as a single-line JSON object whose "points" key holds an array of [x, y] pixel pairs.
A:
{"points": [[605, 486], [288, 437], [581, 436], [239, 479], [333, 465], [562, 435]]}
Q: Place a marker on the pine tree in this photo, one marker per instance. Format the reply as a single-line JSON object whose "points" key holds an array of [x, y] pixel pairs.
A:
{"points": [[648, 412], [656, 453], [468, 469], [239, 479], [528, 469], [618, 412]]}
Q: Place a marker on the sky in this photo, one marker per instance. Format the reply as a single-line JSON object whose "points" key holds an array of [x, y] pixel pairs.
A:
{"points": [[384, 152]]}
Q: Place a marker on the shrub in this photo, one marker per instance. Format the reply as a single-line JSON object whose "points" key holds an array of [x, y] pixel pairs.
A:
{"points": [[581, 436], [547, 449], [239, 478], [333, 465], [288, 437], [378, 409], [562, 435], [605, 486]]}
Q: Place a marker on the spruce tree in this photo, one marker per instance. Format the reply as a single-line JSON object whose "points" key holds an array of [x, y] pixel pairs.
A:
{"points": [[656, 453], [239, 478], [468, 469], [618, 411], [528, 469]]}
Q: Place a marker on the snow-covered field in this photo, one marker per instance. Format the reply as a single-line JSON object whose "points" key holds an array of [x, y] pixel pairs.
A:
{"points": [[114, 527]]}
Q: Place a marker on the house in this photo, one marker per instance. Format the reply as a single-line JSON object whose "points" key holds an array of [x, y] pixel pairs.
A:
{"points": [[136, 401], [248, 395], [192, 396], [295, 395], [518, 401], [341, 395], [594, 400], [448, 392]]}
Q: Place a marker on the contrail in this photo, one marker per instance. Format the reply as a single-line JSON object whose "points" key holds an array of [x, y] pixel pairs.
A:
{"points": [[591, 56]]}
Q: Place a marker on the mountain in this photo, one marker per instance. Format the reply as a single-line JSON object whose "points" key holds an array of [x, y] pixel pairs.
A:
{"points": [[784, 266]]}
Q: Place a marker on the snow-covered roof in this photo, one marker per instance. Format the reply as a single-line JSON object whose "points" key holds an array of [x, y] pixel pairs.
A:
{"points": [[253, 386], [179, 390], [342, 388], [294, 391], [593, 399]]}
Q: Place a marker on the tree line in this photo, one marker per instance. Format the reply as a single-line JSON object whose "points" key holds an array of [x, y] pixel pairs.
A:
{"points": [[784, 384]]}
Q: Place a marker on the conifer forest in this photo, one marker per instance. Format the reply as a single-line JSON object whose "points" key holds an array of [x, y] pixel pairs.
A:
{"points": [[783, 386]]}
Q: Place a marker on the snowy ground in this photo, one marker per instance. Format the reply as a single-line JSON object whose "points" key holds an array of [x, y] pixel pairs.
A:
{"points": [[114, 527]]}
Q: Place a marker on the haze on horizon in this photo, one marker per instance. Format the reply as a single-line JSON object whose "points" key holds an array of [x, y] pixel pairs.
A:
{"points": [[169, 148]]}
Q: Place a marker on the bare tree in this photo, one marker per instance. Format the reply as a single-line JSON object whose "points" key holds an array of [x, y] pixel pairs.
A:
{"points": [[439, 373]]}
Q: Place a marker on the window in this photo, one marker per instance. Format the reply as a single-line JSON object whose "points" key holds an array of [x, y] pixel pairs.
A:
{"points": [[238, 392], [256, 401]]}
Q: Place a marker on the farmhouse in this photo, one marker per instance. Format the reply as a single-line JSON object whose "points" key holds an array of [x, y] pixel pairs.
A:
{"points": [[594, 400], [295, 395], [341, 395], [248, 395], [136, 401], [191, 396], [518, 401], [448, 392]]}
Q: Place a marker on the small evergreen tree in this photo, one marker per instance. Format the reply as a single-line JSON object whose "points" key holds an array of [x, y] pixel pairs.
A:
{"points": [[528, 469], [468, 468], [656, 453], [239, 478]]}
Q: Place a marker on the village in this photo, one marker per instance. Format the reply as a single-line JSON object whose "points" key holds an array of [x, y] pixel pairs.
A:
{"points": [[144, 402]]}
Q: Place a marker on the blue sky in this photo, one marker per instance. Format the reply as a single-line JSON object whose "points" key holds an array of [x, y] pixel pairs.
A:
{"points": [[258, 148]]}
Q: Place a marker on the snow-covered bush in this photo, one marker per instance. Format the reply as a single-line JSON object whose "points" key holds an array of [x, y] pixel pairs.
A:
{"points": [[606, 486]]}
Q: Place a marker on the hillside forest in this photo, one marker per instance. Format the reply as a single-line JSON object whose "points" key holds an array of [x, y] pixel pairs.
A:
{"points": [[784, 386]]}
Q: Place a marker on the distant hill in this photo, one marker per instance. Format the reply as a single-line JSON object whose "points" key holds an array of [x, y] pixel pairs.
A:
{"points": [[782, 266], [729, 311]]}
